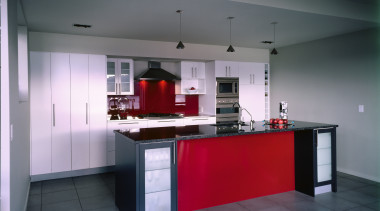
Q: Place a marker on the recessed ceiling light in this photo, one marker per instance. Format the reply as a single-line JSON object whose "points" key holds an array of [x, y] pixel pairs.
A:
{"points": [[267, 42], [81, 25]]}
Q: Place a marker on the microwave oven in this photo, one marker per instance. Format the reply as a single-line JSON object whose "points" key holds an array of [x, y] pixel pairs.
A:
{"points": [[227, 87]]}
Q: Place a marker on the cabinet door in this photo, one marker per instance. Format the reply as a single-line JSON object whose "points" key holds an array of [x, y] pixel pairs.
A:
{"points": [[125, 77], [187, 70], [79, 111], [325, 155], [61, 137], [245, 73], [97, 111], [111, 76], [158, 176], [200, 68], [226, 69], [252, 98], [251, 73], [40, 113]]}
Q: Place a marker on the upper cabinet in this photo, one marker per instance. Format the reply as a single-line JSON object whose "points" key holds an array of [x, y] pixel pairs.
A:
{"points": [[226, 69], [251, 73], [120, 76], [192, 76]]}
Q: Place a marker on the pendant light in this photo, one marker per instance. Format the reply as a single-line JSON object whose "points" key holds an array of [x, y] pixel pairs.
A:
{"points": [[180, 44], [230, 48], [274, 51]]}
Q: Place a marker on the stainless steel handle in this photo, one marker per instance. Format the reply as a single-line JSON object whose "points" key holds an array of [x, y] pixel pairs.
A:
{"points": [[86, 113], [166, 121], [253, 78], [226, 71], [229, 68], [199, 119], [250, 78], [192, 72], [115, 88], [119, 88], [53, 115], [129, 123]]}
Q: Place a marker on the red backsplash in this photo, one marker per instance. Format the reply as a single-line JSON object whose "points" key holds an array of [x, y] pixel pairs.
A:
{"points": [[159, 97]]}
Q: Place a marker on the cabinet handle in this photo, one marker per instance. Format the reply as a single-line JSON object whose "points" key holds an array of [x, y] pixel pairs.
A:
{"points": [[119, 89], [253, 78], [199, 119], [115, 88], [196, 72], [229, 68], [86, 113], [226, 71], [53, 115], [166, 121], [129, 123]]}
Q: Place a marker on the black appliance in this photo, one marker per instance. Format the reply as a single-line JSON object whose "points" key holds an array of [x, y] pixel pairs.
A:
{"points": [[155, 72]]}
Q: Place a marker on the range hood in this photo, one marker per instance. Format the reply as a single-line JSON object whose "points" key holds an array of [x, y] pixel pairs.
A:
{"points": [[155, 72]]}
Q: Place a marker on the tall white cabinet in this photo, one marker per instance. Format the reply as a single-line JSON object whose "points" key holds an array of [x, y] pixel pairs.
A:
{"points": [[68, 112]]}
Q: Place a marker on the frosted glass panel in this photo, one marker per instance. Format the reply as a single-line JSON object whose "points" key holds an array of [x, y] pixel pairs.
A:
{"points": [[324, 173], [157, 158], [324, 140], [158, 201], [125, 87], [324, 156], [157, 180]]}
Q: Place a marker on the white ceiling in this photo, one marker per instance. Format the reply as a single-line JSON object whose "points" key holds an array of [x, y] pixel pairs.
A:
{"points": [[204, 21]]}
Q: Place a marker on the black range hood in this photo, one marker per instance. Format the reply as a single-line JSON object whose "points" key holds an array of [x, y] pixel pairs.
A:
{"points": [[155, 72]]}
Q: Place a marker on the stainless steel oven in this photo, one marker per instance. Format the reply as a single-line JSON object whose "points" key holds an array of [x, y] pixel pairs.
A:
{"points": [[227, 87], [225, 112]]}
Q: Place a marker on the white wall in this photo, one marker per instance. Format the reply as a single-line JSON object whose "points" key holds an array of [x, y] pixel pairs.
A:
{"points": [[140, 48], [325, 81], [15, 157]]}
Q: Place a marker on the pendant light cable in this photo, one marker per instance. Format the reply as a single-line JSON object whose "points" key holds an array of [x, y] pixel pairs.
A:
{"points": [[180, 44], [230, 48], [274, 51]]}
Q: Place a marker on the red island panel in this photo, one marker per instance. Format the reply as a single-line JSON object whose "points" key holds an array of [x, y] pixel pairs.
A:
{"points": [[216, 171]]}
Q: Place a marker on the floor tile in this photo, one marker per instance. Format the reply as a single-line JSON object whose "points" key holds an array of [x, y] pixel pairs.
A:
{"points": [[258, 203], [34, 200], [86, 181], [35, 188], [332, 201], [63, 206], [359, 179], [345, 184], [372, 190], [305, 205], [59, 196], [357, 197], [226, 207], [291, 196], [361, 208], [91, 191], [108, 178], [63, 180], [274, 208], [374, 206], [112, 208], [62, 185], [97, 202]]}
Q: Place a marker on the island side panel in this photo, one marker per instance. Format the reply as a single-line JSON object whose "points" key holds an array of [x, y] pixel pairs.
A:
{"points": [[215, 171], [126, 180]]}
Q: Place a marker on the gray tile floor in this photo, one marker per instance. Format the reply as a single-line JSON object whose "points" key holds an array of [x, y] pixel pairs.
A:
{"points": [[96, 192]]}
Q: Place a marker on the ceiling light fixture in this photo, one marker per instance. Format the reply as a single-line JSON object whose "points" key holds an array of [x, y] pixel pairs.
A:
{"points": [[274, 51], [230, 48], [180, 44]]}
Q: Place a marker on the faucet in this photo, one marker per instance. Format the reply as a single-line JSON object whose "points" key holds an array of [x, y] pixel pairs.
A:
{"points": [[240, 112]]}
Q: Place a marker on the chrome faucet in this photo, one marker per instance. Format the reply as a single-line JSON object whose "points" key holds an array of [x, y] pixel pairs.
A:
{"points": [[240, 112]]}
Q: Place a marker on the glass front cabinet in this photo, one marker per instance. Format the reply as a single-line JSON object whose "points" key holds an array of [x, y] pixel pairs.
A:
{"points": [[120, 76], [321, 152]]}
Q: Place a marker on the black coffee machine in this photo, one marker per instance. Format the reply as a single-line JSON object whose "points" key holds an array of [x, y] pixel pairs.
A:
{"points": [[114, 108]]}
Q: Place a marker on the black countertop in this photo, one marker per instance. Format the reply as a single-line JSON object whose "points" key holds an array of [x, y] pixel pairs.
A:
{"points": [[147, 135]]}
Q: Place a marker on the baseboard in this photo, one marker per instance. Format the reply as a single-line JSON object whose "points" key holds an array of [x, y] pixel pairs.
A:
{"points": [[358, 174], [76, 173]]}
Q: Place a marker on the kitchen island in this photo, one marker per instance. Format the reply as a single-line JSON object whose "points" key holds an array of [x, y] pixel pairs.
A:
{"points": [[200, 166]]}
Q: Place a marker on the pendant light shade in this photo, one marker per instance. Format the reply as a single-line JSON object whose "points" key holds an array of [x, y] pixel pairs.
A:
{"points": [[274, 51], [230, 48], [180, 45]]}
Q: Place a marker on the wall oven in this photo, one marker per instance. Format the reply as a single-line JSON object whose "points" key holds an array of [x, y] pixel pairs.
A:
{"points": [[225, 112], [227, 87]]}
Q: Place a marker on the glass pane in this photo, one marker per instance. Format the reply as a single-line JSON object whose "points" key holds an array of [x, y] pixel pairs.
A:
{"points": [[125, 87], [225, 87], [157, 180], [124, 66], [324, 140], [159, 201], [111, 87], [125, 78], [157, 158], [323, 156], [324, 173], [110, 68]]}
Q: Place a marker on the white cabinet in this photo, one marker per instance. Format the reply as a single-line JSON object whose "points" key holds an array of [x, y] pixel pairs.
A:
{"points": [[120, 77], [226, 69], [97, 111], [165, 122], [60, 88], [251, 73], [192, 74], [252, 98], [40, 113], [68, 112], [199, 120]]}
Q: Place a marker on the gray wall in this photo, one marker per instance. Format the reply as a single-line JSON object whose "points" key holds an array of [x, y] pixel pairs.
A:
{"points": [[325, 81], [15, 153]]}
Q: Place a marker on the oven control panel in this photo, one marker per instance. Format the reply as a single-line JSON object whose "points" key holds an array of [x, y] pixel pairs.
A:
{"points": [[227, 100]]}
